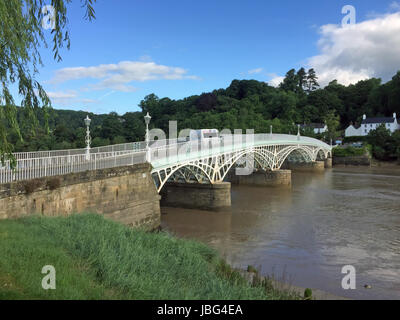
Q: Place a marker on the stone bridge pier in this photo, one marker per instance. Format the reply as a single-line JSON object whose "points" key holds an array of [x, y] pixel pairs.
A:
{"points": [[315, 166], [328, 163], [265, 178], [202, 196]]}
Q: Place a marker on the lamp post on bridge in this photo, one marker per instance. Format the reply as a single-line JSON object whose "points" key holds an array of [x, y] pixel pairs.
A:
{"points": [[270, 129], [147, 119], [298, 132], [88, 139]]}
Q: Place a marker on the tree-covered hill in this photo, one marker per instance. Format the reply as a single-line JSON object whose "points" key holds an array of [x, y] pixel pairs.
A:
{"points": [[245, 104]]}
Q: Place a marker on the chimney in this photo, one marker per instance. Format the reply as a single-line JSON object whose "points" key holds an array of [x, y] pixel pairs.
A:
{"points": [[394, 115], [364, 117]]}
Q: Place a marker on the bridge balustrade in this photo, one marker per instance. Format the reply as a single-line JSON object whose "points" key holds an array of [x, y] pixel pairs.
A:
{"points": [[27, 169]]}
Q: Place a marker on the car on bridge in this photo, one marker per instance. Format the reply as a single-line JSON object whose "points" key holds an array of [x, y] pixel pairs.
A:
{"points": [[203, 134]]}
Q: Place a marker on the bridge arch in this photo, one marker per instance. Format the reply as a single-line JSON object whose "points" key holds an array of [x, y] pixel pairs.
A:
{"points": [[165, 174], [305, 151], [260, 157], [267, 159], [324, 152], [226, 161]]}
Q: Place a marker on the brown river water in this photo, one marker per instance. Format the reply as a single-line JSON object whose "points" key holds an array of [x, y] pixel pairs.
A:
{"points": [[306, 233]]}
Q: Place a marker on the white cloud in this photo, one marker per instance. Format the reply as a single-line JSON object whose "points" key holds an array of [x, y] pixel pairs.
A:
{"points": [[62, 98], [356, 52], [108, 84], [61, 95], [275, 80], [254, 71], [118, 76], [67, 98]]}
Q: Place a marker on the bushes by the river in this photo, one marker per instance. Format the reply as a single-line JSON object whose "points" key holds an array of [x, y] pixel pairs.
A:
{"points": [[385, 145], [96, 258], [349, 151], [381, 144]]}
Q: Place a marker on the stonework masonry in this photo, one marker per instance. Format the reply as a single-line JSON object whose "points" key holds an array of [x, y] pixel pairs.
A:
{"points": [[263, 178], [328, 163], [352, 161], [124, 194], [215, 196], [316, 166]]}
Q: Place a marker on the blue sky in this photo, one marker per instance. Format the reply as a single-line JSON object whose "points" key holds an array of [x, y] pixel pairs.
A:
{"points": [[178, 48]]}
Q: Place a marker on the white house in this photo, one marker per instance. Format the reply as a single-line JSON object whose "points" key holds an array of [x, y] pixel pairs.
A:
{"points": [[352, 131], [369, 124]]}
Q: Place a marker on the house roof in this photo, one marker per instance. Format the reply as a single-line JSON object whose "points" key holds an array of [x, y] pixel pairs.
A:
{"points": [[377, 120], [354, 126]]}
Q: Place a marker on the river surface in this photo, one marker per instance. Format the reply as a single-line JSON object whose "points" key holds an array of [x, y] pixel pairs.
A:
{"points": [[306, 233]]}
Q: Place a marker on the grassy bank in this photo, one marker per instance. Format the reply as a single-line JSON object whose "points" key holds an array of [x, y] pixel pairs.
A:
{"points": [[96, 258]]}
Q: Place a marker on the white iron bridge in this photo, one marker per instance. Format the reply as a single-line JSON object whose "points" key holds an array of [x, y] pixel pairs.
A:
{"points": [[202, 161]]}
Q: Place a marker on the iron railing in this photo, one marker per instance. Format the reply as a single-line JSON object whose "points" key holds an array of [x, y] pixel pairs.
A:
{"points": [[132, 146], [27, 169]]}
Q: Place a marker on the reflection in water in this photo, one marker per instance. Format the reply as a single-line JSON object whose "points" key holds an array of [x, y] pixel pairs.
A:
{"points": [[308, 232]]}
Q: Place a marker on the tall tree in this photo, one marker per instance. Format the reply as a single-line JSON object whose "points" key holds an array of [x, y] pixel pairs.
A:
{"points": [[332, 121], [21, 34], [206, 102], [112, 126], [394, 94], [312, 78], [290, 81], [383, 144], [301, 78]]}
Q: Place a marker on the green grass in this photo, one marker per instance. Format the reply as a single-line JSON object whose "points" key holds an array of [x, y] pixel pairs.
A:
{"points": [[96, 258]]}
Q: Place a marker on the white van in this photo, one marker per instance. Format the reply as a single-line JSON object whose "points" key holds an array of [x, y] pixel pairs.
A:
{"points": [[203, 134]]}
